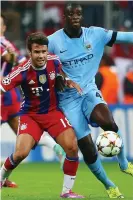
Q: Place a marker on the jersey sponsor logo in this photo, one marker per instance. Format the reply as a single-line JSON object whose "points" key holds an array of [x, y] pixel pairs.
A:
{"points": [[83, 60], [6, 80], [63, 51], [52, 75], [31, 82], [42, 78], [37, 91], [23, 126]]}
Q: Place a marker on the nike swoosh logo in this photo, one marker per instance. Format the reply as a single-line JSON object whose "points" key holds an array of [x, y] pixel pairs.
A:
{"points": [[63, 51]]}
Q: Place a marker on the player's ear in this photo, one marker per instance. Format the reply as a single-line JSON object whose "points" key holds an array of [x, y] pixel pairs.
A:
{"points": [[29, 52], [64, 17]]}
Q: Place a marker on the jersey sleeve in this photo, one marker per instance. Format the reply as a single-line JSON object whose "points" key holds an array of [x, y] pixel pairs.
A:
{"points": [[107, 37], [50, 45], [12, 80], [124, 37]]}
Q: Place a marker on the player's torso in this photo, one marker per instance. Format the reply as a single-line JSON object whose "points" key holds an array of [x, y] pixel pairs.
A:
{"points": [[80, 56], [39, 91]]}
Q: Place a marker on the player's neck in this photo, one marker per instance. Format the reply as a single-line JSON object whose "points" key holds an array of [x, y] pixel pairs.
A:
{"points": [[38, 68], [72, 33]]}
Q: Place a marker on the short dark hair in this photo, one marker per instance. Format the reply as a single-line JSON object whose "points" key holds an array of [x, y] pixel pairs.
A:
{"points": [[4, 18], [73, 4], [38, 38]]}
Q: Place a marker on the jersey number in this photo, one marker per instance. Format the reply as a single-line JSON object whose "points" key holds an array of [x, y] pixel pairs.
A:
{"points": [[64, 122]]}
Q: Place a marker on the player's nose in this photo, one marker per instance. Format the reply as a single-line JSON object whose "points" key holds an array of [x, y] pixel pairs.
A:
{"points": [[75, 16]]}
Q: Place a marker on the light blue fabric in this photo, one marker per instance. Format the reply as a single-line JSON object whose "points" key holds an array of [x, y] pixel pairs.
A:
{"points": [[77, 108], [99, 172], [80, 57], [124, 37], [123, 162]]}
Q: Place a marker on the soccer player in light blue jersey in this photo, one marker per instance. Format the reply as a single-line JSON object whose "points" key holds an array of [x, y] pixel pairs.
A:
{"points": [[80, 50]]}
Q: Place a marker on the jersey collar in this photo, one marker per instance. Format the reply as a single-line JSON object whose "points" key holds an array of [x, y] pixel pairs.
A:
{"points": [[70, 35], [38, 69]]}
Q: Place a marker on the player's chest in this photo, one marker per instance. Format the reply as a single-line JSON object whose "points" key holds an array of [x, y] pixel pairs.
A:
{"points": [[75, 48], [40, 82]]}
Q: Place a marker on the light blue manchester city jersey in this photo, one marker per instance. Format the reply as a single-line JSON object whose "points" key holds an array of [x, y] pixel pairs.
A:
{"points": [[81, 56]]}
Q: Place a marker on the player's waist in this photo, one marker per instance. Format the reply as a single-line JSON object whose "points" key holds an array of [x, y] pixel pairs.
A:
{"points": [[40, 109]]}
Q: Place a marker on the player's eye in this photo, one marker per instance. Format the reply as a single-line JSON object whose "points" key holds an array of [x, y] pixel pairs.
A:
{"points": [[36, 51], [79, 14], [44, 51], [71, 14]]}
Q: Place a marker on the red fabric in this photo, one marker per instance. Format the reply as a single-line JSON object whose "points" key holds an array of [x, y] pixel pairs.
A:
{"points": [[123, 4], [70, 167], [122, 50], [8, 165], [53, 122], [40, 95], [8, 112]]}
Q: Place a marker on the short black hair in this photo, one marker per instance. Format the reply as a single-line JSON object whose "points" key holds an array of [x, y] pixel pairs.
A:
{"points": [[73, 4], [4, 18], [38, 38]]}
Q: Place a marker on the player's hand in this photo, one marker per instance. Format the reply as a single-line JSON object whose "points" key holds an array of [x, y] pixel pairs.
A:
{"points": [[10, 50], [72, 84], [60, 84]]}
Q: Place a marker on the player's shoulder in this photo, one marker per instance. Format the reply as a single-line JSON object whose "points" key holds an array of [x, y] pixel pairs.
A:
{"points": [[24, 66], [94, 29], [52, 57], [55, 35]]}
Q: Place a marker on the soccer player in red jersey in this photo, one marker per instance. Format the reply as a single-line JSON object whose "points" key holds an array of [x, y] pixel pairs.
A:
{"points": [[11, 100], [39, 111]]}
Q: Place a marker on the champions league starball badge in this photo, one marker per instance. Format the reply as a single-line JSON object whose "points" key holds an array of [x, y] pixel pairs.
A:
{"points": [[6, 80]]}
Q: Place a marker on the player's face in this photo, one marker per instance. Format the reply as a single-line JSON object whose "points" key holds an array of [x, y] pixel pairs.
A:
{"points": [[38, 55], [73, 17], [3, 26]]}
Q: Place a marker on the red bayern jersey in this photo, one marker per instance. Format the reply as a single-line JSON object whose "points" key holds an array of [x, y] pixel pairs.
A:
{"points": [[3, 51], [38, 85], [12, 97]]}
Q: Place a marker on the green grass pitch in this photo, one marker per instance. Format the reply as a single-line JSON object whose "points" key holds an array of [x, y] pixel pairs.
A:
{"points": [[43, 181]]}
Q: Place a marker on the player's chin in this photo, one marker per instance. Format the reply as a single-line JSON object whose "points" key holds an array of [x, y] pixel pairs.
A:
{"points": [[40, 63], [76, 26]]}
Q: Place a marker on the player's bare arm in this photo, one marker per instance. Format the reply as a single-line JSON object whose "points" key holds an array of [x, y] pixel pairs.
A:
{"points": [[11, 54], [62, 81]]}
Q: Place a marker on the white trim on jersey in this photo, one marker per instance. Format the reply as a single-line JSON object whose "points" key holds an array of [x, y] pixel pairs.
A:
{"points": [[20, 69], [1, 88], [41, 68], [51, 57]]}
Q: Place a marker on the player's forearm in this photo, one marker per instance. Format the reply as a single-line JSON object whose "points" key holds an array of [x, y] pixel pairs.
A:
{"points": [[124, 37], [63, 74]]}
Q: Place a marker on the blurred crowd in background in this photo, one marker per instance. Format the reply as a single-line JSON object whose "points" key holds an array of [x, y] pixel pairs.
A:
{"points": [[115, 76]]}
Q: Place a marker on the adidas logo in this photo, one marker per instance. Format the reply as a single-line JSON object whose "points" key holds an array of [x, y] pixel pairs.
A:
{"points": [[31, 82]]}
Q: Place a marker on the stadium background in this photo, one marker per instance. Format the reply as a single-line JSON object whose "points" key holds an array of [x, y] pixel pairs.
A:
{"points": [[25, 17]]}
